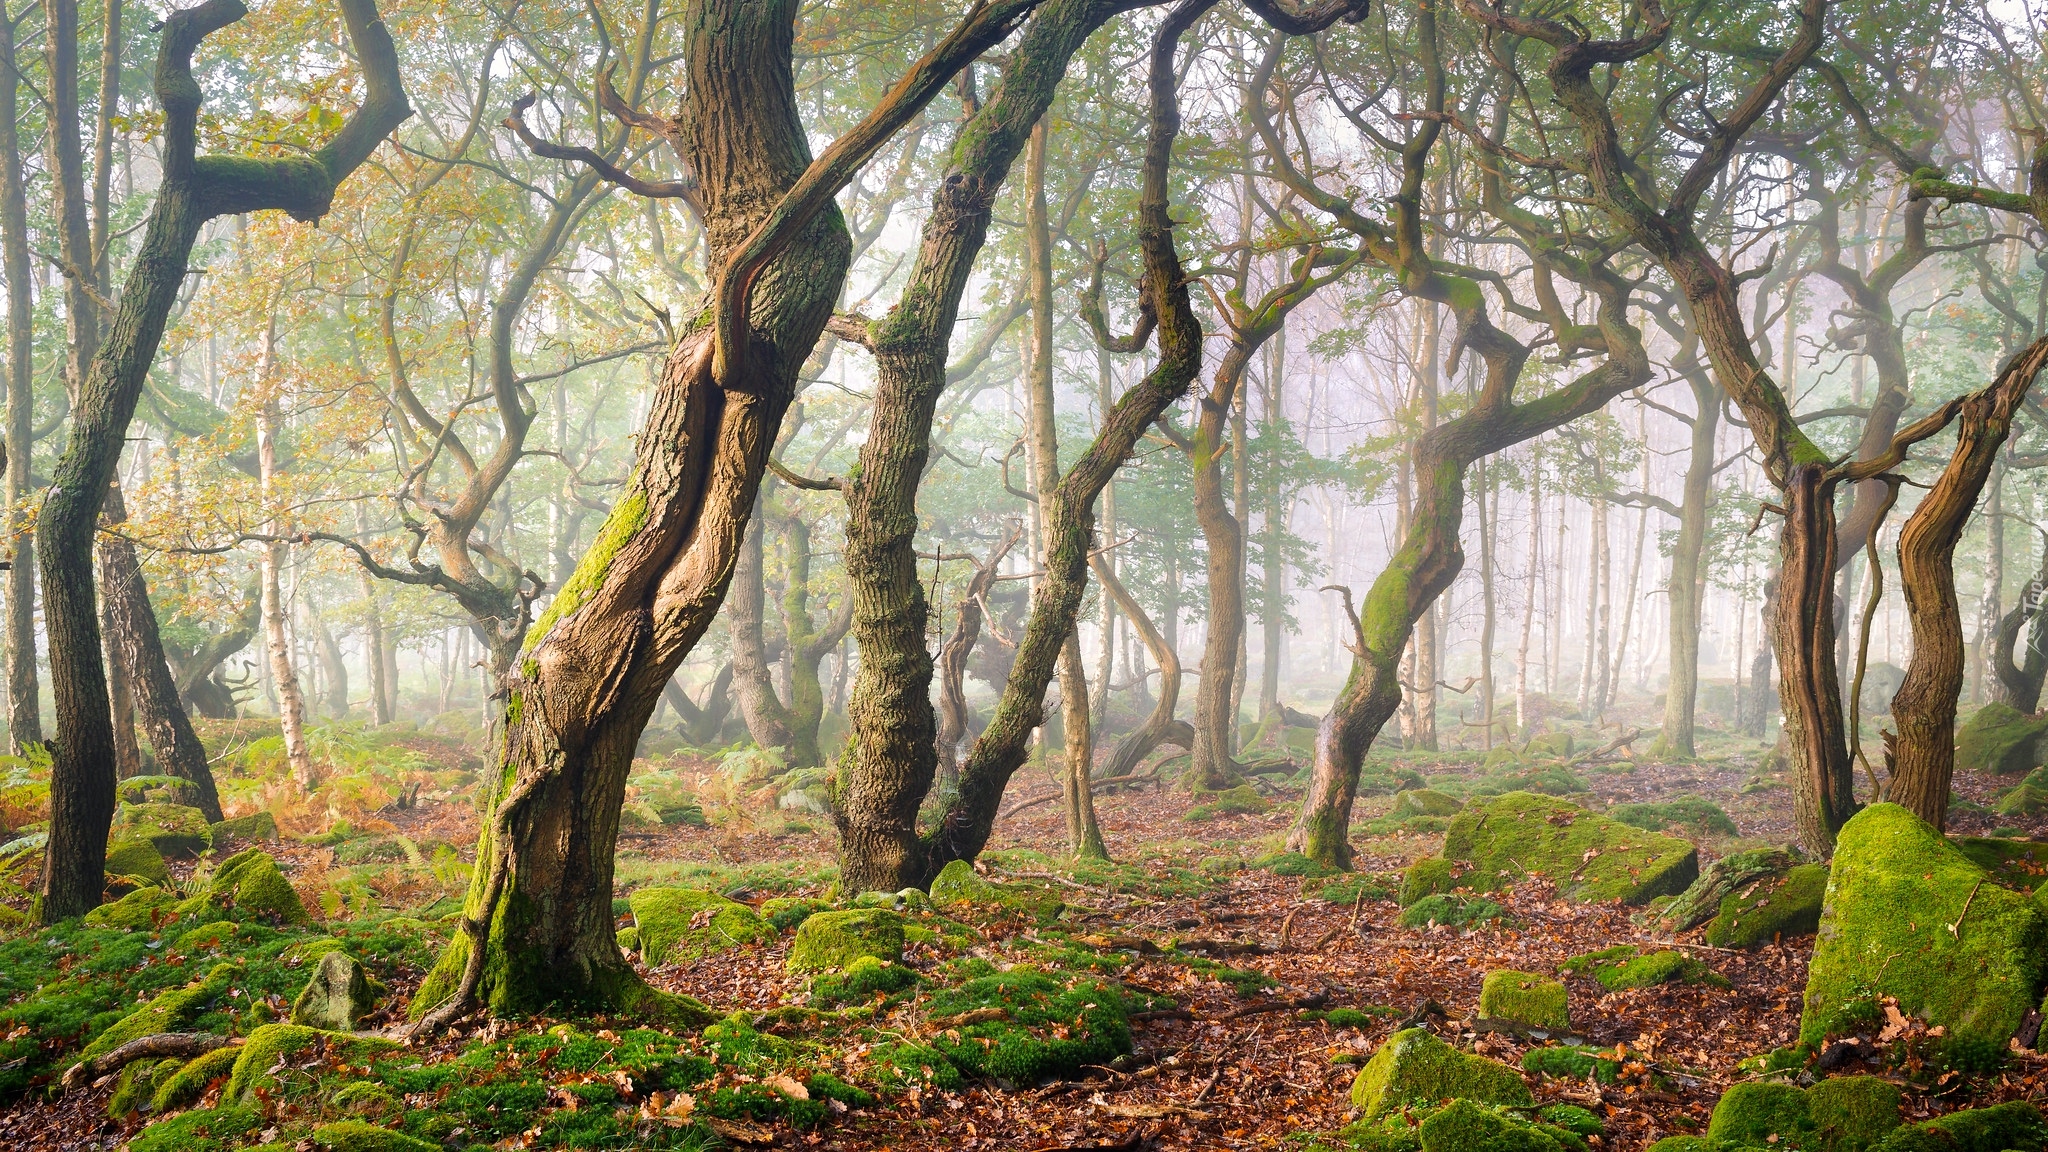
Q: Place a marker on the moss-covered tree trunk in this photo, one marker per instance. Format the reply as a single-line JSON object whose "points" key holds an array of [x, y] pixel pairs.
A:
{"points": [[809, 642], [1922, 756], [193, 190], [24, 704]]}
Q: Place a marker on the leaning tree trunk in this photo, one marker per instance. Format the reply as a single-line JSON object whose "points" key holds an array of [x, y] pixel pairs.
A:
{"points": [[538, 929], [193, 189], [2019, 685], [131, 627], [953, 715], [1922, 755], [767, 720], [1160, 727]]}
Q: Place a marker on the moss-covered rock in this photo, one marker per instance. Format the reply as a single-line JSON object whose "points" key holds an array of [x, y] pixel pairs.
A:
{"points": [[1450, 911], [2001, 739], [1731, 873], [2016, 1124], [137, 1085], [249, 883], [362, 1136], [1624, 966], [338, 996], [1761, 1114], [1525, 998], [185, 1086], [1414, 1068], [1243, 800], [1787, 905], [1895, 924], [1425, 802], [860, 981], [2028, 798], [174, 829], [1852, 1113], [830, 940], [678, 925], [1695, 812], [138, 858], [142, 908], [786, 912], [1023, 1026], [1589, 857], [256, 828], [1429, 876], [959, 883], [2021, 865], [1464, 1126], [275, 1045], [211, 1130], [168, 1011]]}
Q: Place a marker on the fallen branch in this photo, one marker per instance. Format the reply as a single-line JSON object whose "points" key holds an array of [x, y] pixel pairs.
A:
{"points": [[1621, 741], [1095, 787], [154, 1047]]}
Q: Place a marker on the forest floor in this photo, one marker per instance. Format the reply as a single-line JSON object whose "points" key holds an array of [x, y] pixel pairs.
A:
{"points": [[1244, 1058]]}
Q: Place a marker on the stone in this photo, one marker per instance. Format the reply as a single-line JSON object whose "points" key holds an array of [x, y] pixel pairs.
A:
{"points": [[2000, 739], [1910, 916], [256, 827], [1414, 1068], [1466, 1127], [678, 925], [173, 829], [1425, 802], [138, 858], [267, 1047], [1429, 876], [1624, 966], [139, 909], [1702, 901], [1761, 1114], [2015, 1124], [958, 883], [1787, 905], [1853, 1113], [1525, 998], [250, 883], [828, 940], [1590, 858], [338, 996]]}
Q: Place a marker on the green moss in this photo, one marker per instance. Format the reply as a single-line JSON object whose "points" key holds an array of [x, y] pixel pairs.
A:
{"points": [[1024, 1026], [1525, 998], [1427, 877], [1687, 811], [173, 829], [1349, 892], [678, 925], [268, 1048], [894, 1065], [1294, 864], [1620, 967], [255, 828], [1425, 802], [1787, 905], [1588, 857], [830, 940], [138, 858], [1852, 1113], [1752, 1114], [169, 1012], [248, 883], [360, 1136], [1694, 1144], [2015, 1124], [213, 1130], [1415, 1068], [137, 1084], [786, 912], [2000, 739], [1895, 924], [1571, 1062], [2018, 864], [624, 522], [190, 1082], [861, 980], [1464, 1126], [366, 1098], [1243, 800], [142, 908], [1450, 911], [1574, 1119]]}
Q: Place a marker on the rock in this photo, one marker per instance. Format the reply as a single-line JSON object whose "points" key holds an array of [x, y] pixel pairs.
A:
{"points": [[1429, 876], [828, 940], [2000, 739], [267, 1048], [1624, 966], [1853, 1113], [1425, 802], [628, 939], [1588, 857], [2021, 865], [141, 908], [1787, 905], [860, 981], [138, 858], [2015, 1124], [1760, 1114], [249, 882], [338, 996], [1525, 998], [169, 1011], [255, 828], [185, 1086], [362, 1136], [2029, 798], [683, 924], [1415, 1068], [1466, 1127], [1846, 1114], [204, 1130], [958, 883], [1895, 923], [786, 912], [173, 829], [1243, 800], [906, 899], [1702, 901], [1024, 1026]]}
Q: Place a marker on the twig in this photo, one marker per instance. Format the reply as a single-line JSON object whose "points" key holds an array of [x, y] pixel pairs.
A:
{"points": [[1287, 928], [1955, 930], [153, 1047]]}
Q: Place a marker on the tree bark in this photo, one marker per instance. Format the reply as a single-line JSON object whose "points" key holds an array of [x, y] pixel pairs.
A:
{"points": [[291, 703], [1686, 593], [767, 720], [953, 715], [193, 189], [132, 628], [2019, 685], [1160, 726], [67, 191], [809, 643], [24, 706], [1922, 757]]}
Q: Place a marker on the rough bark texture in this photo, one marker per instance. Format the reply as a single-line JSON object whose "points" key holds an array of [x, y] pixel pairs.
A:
{"points": [[193, 190], [809, 642], [24, 708], [1922, 756]]}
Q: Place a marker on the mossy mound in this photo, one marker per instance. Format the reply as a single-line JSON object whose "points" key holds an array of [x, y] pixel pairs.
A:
{"points": [[1464, 1126], [339, 994], [1694, 812], [1731, 873], [173, 829], [2028, 798], [678, 925], [212, 1130], [1589, 857], [1572, 1062], [361, 1136], [1787, 905], [2014, 1125], [250, 883], [1429, 876], [1415, 1068], [169, 1011], [1024, 1026], [1243, 800], [2000, 739], [831, 940], [137, 1085], [2021, 865], [1450, 912], [1896, 924], [272, 1046], [959, 884], [1624, 967], [193, 1078], [1294, 864], [786, 912], [138, 858], [139, 909], [861, 980], [255, 828], [1525, 998], [1425, 802]]}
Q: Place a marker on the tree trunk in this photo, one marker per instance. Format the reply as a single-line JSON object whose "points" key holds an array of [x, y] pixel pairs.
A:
{"points": [[1825, 796], [1273, 613], [67, 191], [1489, 516], [1524, 729], [1212, 767], [291, 704], [767, 720], [132, 628], [1922, 756], [808, 643], [120, 695], [1159, 727], [24, 706], [953, 715], [1686, 592], [332, 666]]}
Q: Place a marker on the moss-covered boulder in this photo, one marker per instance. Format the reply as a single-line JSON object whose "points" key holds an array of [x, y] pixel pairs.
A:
{"points": [[1787, 905], [1464, 1126], [1846, 1114], [1425, 802], [1024, 1026], [861, 980], [678, 925], [1732, 873], [1760, 1114], [1625, 966], [2014, 1125], [2021, 865], [207, 1130], [168, 1011], [338, 996], [362, 1136], [1525, 998], [255, 828], [786, 912], [173, 829], [139, 909], [1243, 800], [959, 883], [1414, 1068], [1908, 915], [829, 940], [275, 1046], [1429, 876], [138, 858], [2028, 798], [185, 1086], [2001, 739], [1521, 834], [250, 883]]}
